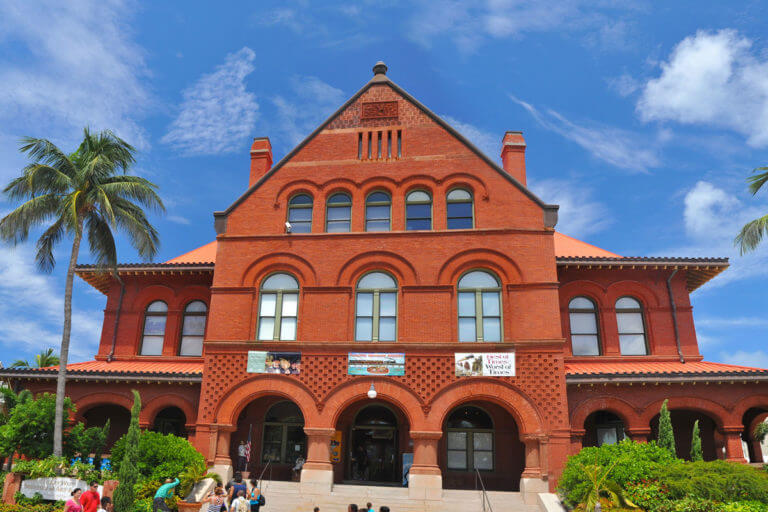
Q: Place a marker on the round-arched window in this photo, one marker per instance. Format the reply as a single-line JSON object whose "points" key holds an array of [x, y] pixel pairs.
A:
{"points": [[469, 440], [376, 308], [278, 307], [284, 438], [155, 317], [378, 207], [300, 213], [418, 211], [629, 317], [338, 213], [459, 209], [193, 329], [585, 337], [479, 295]]}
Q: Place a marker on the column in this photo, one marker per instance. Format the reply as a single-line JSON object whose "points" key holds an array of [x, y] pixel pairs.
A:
{"points": [[577, 440], [425, 480], [222, 463], [533, 480], [317, 472], [639, 434], [733, 449]]}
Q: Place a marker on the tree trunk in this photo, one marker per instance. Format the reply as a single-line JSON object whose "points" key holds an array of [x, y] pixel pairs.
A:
{"points": [[64, 351]]}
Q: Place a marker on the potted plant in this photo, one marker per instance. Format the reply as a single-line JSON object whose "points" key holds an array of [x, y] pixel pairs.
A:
{"points": [[189, 478]]}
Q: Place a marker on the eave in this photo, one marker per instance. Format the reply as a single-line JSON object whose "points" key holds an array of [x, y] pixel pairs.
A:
{"points": [[102, 279]]}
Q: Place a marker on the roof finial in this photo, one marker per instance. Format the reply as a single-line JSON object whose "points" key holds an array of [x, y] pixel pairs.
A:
{"points": [[380, 68]]}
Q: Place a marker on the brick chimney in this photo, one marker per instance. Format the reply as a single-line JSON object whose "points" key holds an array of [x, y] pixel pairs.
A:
{"points": [[261, 159], [513, 155]]}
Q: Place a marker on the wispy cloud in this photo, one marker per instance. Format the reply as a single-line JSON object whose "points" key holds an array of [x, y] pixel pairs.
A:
{"points": [[615, 146], [178, 219], [580, 213], [32, 309], [311, 101], [217, 112], [754, 359], [80, 67], [715, 79], [740, 321]]}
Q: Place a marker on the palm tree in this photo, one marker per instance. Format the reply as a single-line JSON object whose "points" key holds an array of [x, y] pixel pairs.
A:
{"points": [[600, 485], [44, 359], [754, 231], [84, 193]]}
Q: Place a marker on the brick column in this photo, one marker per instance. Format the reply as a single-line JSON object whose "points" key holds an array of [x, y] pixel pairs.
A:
{"points": [[222, 463], [425, 480], [733, 449], [11, 486], [534, 480], [639, 435], [317, 472], [577, 440]]}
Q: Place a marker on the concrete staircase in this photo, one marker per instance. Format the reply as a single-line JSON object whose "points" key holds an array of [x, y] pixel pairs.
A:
{"points": [[287, 497]]}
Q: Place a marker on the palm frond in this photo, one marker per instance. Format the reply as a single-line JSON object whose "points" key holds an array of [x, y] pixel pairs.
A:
{"points": [[20, 363], [758, 180], [15, 226], [143, 236], [135, 188], [751, 235], [101, 241], [46, 152], [44, 257]]}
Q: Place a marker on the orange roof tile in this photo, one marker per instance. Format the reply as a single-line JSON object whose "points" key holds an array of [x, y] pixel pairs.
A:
{"points": [[130, 367], [204, 254], [647, 368], [568, 246]]}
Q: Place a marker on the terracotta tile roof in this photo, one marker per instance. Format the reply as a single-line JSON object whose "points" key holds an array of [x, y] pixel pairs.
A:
{"points": [[566, 246], [151, 370], [627, 370], [204, 254]]}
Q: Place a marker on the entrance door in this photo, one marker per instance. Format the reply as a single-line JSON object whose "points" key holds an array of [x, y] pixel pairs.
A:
{"points": [[373, 455]]}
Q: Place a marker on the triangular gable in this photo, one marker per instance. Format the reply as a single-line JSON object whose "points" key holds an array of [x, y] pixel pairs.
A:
{"points": [[550, 217]]}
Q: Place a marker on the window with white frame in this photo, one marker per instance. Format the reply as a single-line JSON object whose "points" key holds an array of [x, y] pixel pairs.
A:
{"points": [[376, 308], [278, 307], [479, 295], [629, 317]]}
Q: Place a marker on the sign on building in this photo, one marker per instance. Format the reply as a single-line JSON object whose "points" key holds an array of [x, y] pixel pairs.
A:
{"points": [[280, 363], [53, 489], [364, 363], [485, 364]]}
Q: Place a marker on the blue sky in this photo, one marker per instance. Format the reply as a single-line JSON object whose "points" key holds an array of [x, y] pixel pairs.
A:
{"points": [[642, 119]]}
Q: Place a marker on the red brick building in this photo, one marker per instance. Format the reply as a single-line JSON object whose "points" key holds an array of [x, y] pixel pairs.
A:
{"points": [[385, 232]]}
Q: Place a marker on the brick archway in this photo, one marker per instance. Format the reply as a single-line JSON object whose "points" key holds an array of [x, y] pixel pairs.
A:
{"points": [[712, 409], [96, 399], [232, 404], [628, 414], [742, 406], [477, 390], [150, 410]]}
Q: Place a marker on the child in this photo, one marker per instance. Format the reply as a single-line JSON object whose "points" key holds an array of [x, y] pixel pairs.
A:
{"points": [[240, 504], [106, 505]]}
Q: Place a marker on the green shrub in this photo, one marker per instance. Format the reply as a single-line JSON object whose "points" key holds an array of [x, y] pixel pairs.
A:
{"points": [[745, 506], [128, 474], [666, 434], [160, 456], [59, 466], [44, 507], [717, 480], [636, 462], [691, 505], [648, 495]]}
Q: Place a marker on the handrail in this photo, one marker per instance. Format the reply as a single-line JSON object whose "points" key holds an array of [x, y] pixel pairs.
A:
{"points": [[262, 474], [485, 498]]}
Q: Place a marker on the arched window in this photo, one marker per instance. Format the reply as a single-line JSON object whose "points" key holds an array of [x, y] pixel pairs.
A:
{"points": [[418, 211], [629, 317], [284, 439], [154, 329], [469, 440], [170, 420], [193, 329], [377, 212], [585, 340], [338, 215], [376, 308], [479, 307], [300, 214], [278, 307], [459, 206]]}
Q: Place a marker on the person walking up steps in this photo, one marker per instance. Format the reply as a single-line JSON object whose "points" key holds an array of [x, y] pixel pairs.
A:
{"points": [[255, 498], [165, 491], [215, 500], [239, 504]]}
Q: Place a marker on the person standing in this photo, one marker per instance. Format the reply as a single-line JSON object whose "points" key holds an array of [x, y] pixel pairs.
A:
{"points": [[215, 500], [73, 504], [254, 498], [90, 499], [106, 505], [239, 504], [369, 507], [165, 491], [242, 458], [237, 485]]}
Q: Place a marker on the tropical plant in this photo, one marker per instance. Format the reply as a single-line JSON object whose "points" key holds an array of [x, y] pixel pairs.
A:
{"points": [[666, 434], [44, 359], [28, 428], [160, 455], [601, 485], [696, 453], [128, 474], [195, 473], [85, 441], [84, 193], [760, 432], [753, 232]]}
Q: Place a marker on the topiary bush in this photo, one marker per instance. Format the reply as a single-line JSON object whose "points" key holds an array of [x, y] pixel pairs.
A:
{"points": [[636, 462], [160, 456], [717, 480]]}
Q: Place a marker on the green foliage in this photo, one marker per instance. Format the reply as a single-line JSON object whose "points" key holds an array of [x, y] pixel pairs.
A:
{"points": [[696, 453], [44, 359], [599, 484], [195, 473], [59, 466], [717, 480], [128, 473], [745, 506], [85, 441], [753, 232], [161, 456], [648, 494], [691, 505], [29, 427], [634, 462], [666, 434], [760, 432], [42, 507]]}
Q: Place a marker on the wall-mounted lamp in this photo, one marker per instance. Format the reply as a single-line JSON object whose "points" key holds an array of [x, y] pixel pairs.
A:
{"points": [[372, 392]]}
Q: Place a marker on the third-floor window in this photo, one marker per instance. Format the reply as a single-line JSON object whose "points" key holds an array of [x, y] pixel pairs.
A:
{"points": [[418, 211], [479, 307], [629, 317], [300, 213], [378, 207], [153, 335], [278, 308], [193, 329], [338, 216], [585, 340], [459, 209]]}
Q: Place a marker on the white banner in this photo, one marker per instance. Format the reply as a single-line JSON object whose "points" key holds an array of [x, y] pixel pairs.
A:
{"points": [[53, 489], [485, 364]]}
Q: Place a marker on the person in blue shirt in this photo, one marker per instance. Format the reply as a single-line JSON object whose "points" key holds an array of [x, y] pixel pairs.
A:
{"points": [[165, 491]]}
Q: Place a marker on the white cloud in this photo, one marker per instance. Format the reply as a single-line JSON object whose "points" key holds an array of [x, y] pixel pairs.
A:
{"points": [[710, 212], [32, 309], [741, 321], [755, 359], [714, 79], [178, 219], [217, 113], [312, 101], [624, 84], [617, 147], [79, 67], [580, 214], [487, 142]]}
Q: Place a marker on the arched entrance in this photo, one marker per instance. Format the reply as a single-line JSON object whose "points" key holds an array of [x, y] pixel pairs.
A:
{"points": [[275, 428], [170, 420], [603, 427], [374, 437], [119, 419], [754, 451], [481, 437], [682, 425]]}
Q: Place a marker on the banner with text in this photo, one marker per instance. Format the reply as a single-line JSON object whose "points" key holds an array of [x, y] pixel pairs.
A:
{"points": [[485, 364], [359, 363]]}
